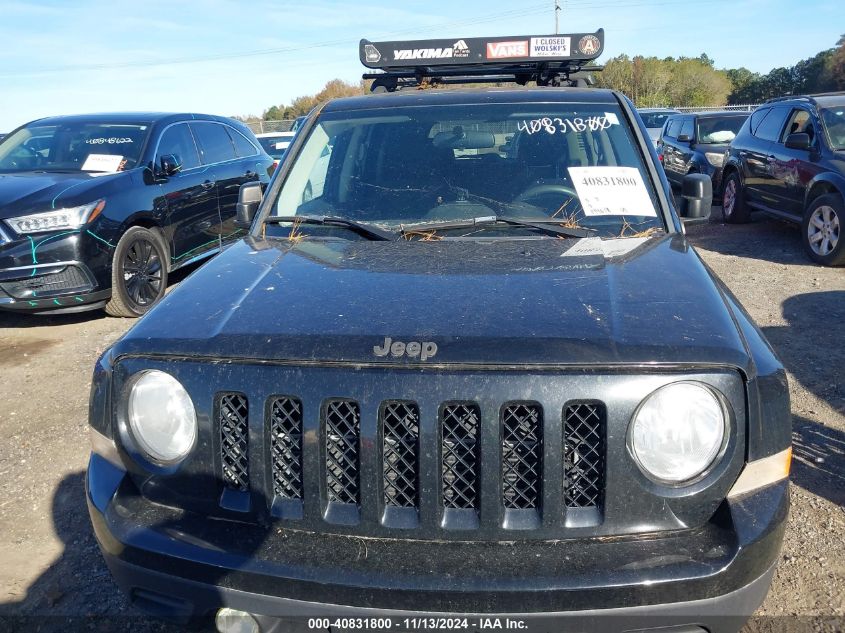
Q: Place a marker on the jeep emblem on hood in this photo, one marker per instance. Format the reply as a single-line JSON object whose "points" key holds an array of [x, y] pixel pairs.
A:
{"points": [[414, 349]]}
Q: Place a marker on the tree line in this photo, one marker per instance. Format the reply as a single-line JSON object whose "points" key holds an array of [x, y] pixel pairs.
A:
{"points": [[655, 82]]}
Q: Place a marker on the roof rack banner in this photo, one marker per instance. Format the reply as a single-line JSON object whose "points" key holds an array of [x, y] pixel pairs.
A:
{"points": [[482, 50]]}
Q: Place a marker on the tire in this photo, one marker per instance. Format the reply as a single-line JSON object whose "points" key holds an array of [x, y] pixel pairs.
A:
{"points": [[139, 273], [823, 230], [734, 209]]}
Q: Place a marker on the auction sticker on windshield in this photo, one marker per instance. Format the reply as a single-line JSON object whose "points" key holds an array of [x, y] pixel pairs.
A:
{"points": [[102, 162], [612, 191]]}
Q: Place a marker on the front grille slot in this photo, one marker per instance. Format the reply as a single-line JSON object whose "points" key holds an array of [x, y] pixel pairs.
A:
{"points": [[286, 447], [522, 449], [342, 419], [583, 446], [400, 423], [233, 413], [460, 455]]}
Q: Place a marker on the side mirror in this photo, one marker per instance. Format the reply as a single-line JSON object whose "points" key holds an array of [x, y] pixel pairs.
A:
{"points": [[249, 199], [170, 164], [798, 141], [685, 138], [696, 198]]}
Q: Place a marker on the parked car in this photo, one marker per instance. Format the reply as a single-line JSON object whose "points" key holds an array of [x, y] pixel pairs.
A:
{"points": [[96, 210], [654, 119], [788, 161], [275, 144], [695, 143], [456, 383]]}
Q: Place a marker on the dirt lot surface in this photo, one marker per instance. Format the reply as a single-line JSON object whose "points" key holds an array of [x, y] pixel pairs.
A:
{"points": [[50, 567]]}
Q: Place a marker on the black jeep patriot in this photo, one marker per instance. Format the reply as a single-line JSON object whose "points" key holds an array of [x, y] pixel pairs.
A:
{"points": [[465, 372]]}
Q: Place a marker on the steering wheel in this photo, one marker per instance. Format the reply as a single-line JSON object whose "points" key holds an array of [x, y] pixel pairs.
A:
{"points": [[544, 189]]}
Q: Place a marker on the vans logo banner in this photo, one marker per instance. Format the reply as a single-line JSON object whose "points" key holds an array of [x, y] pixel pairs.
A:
{"points": [[505, 50]]}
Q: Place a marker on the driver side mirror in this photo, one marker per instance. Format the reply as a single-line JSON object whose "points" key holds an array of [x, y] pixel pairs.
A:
{"points": [[798, 141], [696, 198], [170, 164], [250, 196], [685, 138]]}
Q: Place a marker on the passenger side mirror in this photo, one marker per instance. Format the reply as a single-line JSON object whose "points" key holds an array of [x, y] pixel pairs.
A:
{"points": [[685, 138], [696, 198], [170, 164], [798, 141], [249, 199]]}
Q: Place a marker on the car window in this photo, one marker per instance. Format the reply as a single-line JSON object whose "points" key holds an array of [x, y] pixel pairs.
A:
{"points": [[411, 165], [654, 120], [757, 118], [770, 127], [687, 127], [800, 122], [833, 120], [243, 146], [214, 142], [722, 129], [177, 140], [672, 127]]}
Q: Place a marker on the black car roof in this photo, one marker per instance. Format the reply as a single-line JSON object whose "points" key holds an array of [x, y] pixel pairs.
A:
{"points": [[129, 117], [472, 96]]}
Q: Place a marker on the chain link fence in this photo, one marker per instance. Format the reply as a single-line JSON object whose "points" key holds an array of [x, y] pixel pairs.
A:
{"points": [[259, 127]]}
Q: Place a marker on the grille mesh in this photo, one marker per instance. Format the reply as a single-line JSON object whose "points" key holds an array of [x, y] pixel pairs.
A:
{"points": [[233, 410], [400, 463], [583, 428], [286, 447], [521, 455], [460, 455], [343, 423]]}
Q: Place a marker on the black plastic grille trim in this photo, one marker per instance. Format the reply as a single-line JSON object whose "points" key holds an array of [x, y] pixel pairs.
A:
{"points": [[522, 455], [583, 448], [233, 413], [342, 419], [460, 446], [400, 422], [286, 447]]}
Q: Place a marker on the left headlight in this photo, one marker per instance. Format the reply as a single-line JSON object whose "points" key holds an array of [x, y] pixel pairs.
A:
{"points": [[678, 432], [57, 220], [161, 417]]}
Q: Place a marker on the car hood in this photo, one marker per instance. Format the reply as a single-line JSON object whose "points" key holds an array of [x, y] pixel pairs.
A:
{"points": [[31, 192], [505, 302]]}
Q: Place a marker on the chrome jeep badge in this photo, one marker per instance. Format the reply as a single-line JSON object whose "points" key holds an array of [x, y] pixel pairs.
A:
{"points": [[413, 349]]}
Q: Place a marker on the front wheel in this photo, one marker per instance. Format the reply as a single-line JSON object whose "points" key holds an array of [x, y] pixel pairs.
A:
{"points": [[139, 273], [821, 230], [734, 209]]}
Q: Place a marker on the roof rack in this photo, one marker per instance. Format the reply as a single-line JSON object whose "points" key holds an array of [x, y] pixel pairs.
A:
{"points": [[548, 60]]}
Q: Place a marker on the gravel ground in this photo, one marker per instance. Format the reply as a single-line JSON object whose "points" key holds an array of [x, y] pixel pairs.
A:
{"points": [[52, 577]]}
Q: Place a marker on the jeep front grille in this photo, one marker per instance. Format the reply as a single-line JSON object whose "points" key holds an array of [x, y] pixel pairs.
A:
{"points": [[400, 423], [522, 455], [233, 412], [286, 447], [342, 427], [583, 454], [460, 455]]}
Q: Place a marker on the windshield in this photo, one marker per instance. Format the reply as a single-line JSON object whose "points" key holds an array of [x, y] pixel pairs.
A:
{"points": [[714, 130], [833, 120], [275, 146], [79, 146], [576, 163], [654, 120]]}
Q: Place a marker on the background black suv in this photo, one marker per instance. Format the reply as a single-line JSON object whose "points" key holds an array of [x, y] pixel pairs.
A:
{"points": [[695, 143], [788, 160], [95, 210]]}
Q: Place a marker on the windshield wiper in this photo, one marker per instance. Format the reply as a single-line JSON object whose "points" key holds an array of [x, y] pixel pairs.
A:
{"points": [[367, 230], [552, 227]]}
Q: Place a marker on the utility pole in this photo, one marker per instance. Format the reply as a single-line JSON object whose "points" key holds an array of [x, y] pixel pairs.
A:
{"points": [[557, 12]]}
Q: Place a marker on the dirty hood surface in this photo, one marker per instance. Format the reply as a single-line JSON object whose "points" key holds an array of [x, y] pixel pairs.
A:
{"points": [[501, 302]]}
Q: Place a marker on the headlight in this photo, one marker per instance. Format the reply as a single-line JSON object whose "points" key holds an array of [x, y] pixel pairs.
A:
{"points": [[161, 417], [678, 432], [717, 160], [56, 220]]}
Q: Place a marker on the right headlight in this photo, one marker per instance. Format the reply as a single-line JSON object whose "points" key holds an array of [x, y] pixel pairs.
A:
{"points": [[161, 417], [678, 432]]}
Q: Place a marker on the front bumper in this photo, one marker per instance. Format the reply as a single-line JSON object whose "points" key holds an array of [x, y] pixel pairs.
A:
{"points": [[178, 563], [64, 271]]}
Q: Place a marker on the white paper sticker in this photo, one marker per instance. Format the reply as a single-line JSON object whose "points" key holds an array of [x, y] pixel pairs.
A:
{"points": [[102, 162], [611, 116], [550, 46], [612, 191]]}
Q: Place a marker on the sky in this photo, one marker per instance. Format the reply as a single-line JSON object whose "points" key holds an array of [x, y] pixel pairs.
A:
{"points": [[232, 57]]}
